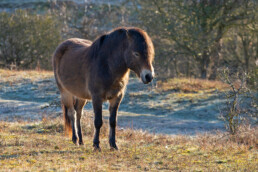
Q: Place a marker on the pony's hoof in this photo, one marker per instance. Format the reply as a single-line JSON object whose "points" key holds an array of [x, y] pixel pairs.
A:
{"points": [[75, 142], [96, 148], [81, 143], [113, 146], [74, 139]]}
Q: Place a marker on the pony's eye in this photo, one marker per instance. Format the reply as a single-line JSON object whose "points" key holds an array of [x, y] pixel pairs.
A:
{"points": [[136, 54]]}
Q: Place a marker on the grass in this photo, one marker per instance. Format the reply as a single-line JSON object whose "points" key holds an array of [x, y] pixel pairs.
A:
{"points": [[190, 88], [14, 76], [190, 85], [41, 146]]}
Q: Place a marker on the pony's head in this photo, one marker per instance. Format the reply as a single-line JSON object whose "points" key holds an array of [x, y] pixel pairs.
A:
{"points": [[139, 54]]}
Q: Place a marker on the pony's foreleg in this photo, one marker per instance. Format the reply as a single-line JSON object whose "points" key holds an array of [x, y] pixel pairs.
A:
{"points": [[97, 106], [79, 104], [113, 108]]}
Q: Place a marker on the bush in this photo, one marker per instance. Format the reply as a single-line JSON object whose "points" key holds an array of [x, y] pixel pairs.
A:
{"points": [[237, 97], [28, 40]]}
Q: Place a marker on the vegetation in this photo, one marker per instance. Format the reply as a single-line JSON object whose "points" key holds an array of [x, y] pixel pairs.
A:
{"points": [[192, 38], [28, 40], [195, 37], [234, 114], [14, 76], [191, 85], [41, 146]]}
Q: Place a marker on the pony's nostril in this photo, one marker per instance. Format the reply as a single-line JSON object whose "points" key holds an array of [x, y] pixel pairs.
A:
{"points": [[148, 77]]}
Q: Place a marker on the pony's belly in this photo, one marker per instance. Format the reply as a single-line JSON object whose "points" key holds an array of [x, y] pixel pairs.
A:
{"points": [[77, 90], [83, 95]]}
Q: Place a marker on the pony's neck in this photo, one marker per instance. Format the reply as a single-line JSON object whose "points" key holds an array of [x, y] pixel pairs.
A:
{"points": [[114, 46], [117, 66]]}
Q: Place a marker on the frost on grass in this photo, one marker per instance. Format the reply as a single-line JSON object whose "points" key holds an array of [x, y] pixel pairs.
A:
{"points": [[176, 106]]}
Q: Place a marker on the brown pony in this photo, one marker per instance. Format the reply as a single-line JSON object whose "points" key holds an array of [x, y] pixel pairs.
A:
{"points": [[99, 71]]}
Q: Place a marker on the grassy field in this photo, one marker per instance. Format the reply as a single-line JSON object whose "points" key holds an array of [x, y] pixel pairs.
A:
{"points": [[42, 146]]}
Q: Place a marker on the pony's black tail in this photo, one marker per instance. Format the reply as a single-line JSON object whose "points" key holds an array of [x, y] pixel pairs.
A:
{"points": [[67, 120]]}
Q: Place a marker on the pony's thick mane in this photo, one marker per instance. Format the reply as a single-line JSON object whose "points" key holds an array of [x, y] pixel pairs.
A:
{"points": [[107, 42], [113, 38], [95, 47]]}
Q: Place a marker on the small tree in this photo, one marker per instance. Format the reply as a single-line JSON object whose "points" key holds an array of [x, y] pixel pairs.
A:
{"points": [[237, 83]]}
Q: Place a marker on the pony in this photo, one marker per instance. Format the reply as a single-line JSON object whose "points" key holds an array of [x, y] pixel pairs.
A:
{"points": [[99, 71]]}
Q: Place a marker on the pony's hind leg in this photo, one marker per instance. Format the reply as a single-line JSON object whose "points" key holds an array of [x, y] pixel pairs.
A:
{"points": [[70, 115], [79, 104]]}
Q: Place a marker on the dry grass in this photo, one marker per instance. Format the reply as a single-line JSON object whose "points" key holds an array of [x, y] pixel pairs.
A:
{"points": [[14, 76], [190, 85], [41, 146]]}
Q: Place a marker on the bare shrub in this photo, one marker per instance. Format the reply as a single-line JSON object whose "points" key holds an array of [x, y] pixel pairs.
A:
{"points": [[234, 113]]}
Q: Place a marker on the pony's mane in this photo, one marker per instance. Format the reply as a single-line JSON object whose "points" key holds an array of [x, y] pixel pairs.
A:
{"points": [[115, 38], [95, 47]]}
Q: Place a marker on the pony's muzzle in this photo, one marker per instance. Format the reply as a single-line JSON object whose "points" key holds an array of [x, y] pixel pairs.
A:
{"points": [[147, 76]]}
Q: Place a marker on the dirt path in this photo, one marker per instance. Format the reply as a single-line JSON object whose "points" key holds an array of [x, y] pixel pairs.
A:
{"points": [[142, 108]]}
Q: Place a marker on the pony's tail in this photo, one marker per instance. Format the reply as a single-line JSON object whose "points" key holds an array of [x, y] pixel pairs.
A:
{"points": [[67, 120]]}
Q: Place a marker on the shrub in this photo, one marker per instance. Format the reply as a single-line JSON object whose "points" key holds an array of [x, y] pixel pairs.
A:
{"points": [[233, 113], [28, 40]]}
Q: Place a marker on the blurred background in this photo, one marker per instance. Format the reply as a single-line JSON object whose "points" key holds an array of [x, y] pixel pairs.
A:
{"points": [[192, 38], [198, 44], [205, 92]]}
